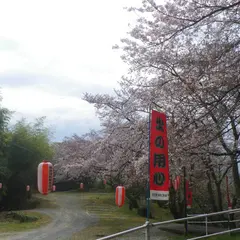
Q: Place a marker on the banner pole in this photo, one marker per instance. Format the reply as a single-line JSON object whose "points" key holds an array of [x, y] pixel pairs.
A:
{"points": [[148, 178], [147, 235]]}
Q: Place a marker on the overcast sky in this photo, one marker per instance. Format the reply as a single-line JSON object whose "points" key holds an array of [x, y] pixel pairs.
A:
{"points": [[52, 51]]}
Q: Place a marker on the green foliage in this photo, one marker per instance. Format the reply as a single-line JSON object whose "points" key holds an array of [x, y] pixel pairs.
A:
{"points": [[8, 224], [134, 194], [21, 217], [32, 203], [29, 145], [142, 211], [22, 148], [108, 188], [4, 141], [99, 184]]}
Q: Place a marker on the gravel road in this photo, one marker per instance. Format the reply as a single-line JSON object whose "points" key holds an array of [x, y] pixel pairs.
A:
{"points": [[67, 219]]}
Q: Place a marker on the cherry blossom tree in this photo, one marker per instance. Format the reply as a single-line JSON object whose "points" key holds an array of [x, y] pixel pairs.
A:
{"points": [[184, 57]]}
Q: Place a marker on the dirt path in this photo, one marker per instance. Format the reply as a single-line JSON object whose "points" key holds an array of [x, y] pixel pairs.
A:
{"points": [[67, 219]]}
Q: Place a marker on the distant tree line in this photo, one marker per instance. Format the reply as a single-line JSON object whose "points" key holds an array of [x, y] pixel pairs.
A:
{"points": [[22, 147]]}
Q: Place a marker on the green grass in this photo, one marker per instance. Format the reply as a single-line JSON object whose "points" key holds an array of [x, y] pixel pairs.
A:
{"points": [[111, 218], [10, 225], [160, 214]]}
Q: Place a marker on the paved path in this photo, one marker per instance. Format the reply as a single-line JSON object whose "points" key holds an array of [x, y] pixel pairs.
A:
{"points": [[67, 219], [194, 229], [155, 234], [173, 229]]}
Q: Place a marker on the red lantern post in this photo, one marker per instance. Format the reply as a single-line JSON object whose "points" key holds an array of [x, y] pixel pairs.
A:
{"points": [[120, 196], [104, 181], [54, 188], [45, 177], [28, 188], [81, 186]]}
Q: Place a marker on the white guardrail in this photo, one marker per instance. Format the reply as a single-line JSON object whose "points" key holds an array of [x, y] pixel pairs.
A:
{"points": [[147, 225]]}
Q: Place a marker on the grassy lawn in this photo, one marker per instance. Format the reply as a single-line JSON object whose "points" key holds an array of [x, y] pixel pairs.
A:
{"points": [[11, 225], [111, 218]]}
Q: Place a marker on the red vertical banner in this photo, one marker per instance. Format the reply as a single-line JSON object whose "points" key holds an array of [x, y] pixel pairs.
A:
{"points": [[188, 195], [228, 195], [159, 166], [175, 185], [178, 182]]}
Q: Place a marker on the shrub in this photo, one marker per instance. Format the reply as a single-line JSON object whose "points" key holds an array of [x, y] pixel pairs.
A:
{"points": [[142, 211], [21, 217], [32, 203]]}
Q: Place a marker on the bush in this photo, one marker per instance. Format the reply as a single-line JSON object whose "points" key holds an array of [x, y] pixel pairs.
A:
{"points": [[67, 185], [109, 188], [32, 203], [16, 193], [142, 211], [99, 184], [136, 196], [163, 204], [21, 217]]}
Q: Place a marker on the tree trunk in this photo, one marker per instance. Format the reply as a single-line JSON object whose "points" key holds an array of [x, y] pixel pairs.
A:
{"points": [[219, 196], [211, 194]]}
